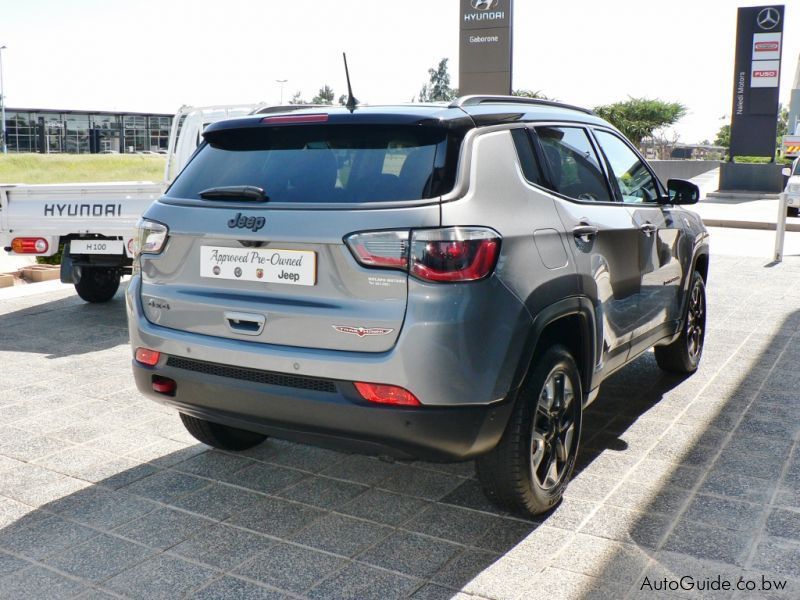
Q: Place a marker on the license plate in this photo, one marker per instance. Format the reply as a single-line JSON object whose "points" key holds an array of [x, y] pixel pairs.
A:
{"points": [[96, 247], [293, 267]]}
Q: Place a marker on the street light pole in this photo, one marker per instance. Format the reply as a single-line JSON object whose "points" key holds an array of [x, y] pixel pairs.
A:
{"points": [[281, 81], [2, 106]]}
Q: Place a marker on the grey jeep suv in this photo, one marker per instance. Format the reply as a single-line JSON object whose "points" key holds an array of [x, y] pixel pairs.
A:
{"points": [[421, 281]]}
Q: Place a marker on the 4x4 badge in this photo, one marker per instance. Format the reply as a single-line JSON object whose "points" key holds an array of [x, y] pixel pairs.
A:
{"points": [[362, 331]]}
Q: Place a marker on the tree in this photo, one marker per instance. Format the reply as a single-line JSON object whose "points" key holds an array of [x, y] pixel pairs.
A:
{"points": [[324, 96], [343, 100], [297, 98], [438, 87], [783, 121], [531, 94], [638, 118], [723, 136]]}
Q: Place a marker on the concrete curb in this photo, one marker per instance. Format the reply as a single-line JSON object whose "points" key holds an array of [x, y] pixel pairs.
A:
{"points": [[32, 289], [748, 224]]}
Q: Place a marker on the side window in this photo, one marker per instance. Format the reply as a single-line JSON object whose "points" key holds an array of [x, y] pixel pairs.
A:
{"points": [[573, 166], [635, 182], [530, 168]]}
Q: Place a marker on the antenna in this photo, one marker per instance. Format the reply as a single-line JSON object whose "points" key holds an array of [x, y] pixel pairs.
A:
{"points": [[351, 100]]}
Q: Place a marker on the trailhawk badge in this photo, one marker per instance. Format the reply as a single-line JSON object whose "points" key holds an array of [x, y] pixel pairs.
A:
{"points": [[362, 331]]}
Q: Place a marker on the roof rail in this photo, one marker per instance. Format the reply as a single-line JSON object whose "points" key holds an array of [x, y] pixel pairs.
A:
{"points": [[476, 100]]}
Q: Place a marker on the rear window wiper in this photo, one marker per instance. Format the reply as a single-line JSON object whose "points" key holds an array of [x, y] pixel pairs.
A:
{"points": [[235, 192]]}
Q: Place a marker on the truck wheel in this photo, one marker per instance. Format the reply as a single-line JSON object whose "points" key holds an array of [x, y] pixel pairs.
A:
{"points": [[529, 469], [792, 211], [683, 355], [96, 284], [221, 436]]}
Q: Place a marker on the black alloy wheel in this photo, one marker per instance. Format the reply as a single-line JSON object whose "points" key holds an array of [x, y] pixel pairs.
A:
{"points": [[684, 353], [554, 430], [530, 467]]}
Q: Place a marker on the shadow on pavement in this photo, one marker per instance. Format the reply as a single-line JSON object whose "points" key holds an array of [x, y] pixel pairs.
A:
{"points": [[709, 481], [103, 490], [279, 518], [65, 327]]}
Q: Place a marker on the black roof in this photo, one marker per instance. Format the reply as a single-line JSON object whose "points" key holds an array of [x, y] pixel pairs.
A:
{"points": [[464, 113]]}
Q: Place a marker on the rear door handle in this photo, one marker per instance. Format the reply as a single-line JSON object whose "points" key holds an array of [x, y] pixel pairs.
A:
{"points": [[584, 231], [245, 323], [648, 229]]}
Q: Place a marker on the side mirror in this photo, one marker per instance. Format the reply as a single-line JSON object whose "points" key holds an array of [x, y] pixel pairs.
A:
{"points": [[682, 192], [786, 172]]}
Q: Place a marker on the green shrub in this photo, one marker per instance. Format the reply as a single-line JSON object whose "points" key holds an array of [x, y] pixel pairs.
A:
{"points": [[761, 160], [51, 260]]}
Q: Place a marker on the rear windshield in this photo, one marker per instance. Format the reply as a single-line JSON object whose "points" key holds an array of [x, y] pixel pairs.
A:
{"points": [[331, 163]]}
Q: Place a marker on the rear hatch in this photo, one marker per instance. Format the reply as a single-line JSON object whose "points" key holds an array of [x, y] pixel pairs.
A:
{"points": [[280, 268]]}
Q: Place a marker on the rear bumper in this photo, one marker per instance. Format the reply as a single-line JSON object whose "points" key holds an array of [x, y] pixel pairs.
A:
{"points": [[329, 414], [459, 346], [457, 362]]}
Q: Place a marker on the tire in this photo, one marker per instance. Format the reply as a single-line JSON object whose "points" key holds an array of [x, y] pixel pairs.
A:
{"points": [[684, 354], [792, 211], [96, 284], [543, 430], [221, 436]]}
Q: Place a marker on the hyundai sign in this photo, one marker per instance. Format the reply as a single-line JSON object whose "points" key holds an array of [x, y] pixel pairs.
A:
{"points": [[759, 42], [485, 48]]}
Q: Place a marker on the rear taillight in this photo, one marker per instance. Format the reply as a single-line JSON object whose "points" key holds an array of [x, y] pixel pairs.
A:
{"points": [[454, 254], [386, 394], [29, 245], [151, 237], [384, 249], [164, 385], [147, 357], [450, 254]]}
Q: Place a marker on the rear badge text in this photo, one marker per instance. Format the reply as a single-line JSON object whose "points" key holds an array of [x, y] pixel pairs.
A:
{"points": [[363, 331]]}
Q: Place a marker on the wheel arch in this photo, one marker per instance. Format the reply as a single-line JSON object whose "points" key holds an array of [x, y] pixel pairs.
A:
{"points": [[570, 322], [700, 263]]}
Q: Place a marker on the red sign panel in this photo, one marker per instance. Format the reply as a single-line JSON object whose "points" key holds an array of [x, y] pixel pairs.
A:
{"points": [[767, 46]]}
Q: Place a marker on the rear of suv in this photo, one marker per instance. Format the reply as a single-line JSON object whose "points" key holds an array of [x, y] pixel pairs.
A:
{"points": [[425, 282]]}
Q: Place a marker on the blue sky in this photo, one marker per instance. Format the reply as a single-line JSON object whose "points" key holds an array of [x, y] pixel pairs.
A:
{"points": [[149, 55]]}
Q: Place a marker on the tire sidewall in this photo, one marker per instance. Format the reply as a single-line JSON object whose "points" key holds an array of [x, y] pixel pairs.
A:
{"points": [[697, 282], [96, 284], [556, 357]]}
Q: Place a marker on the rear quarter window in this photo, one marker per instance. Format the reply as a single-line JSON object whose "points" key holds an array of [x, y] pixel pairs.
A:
{"points": [[527, 159]]}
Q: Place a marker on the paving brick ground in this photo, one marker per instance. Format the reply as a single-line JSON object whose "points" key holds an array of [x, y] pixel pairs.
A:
{"points": [[103, 494]]}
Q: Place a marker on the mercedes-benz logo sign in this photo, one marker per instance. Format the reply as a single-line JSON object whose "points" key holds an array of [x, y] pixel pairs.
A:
{"points": [[484, 4], [768, 18]]}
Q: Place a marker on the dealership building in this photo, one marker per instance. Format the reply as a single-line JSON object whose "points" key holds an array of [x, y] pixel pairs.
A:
{"points": [[52, 131]]}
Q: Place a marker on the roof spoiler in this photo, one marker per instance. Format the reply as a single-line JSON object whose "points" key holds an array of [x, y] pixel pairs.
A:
{"points": [[476, 100]]}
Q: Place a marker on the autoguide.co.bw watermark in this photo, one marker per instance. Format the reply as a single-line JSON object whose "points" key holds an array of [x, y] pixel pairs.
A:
{"points": [[689, 583]]}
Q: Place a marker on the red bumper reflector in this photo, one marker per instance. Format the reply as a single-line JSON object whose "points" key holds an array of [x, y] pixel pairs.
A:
{"points": [[29, 245], [164, 385], [386, 394], [283, 119], [147, 357]]}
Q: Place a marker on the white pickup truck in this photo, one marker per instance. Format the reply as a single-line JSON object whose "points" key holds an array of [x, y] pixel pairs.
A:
{"points": [[96, 221], [791, 195]]}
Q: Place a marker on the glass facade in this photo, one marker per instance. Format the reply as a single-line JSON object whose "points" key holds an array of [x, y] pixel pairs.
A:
{"points": [[77, 132]]}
